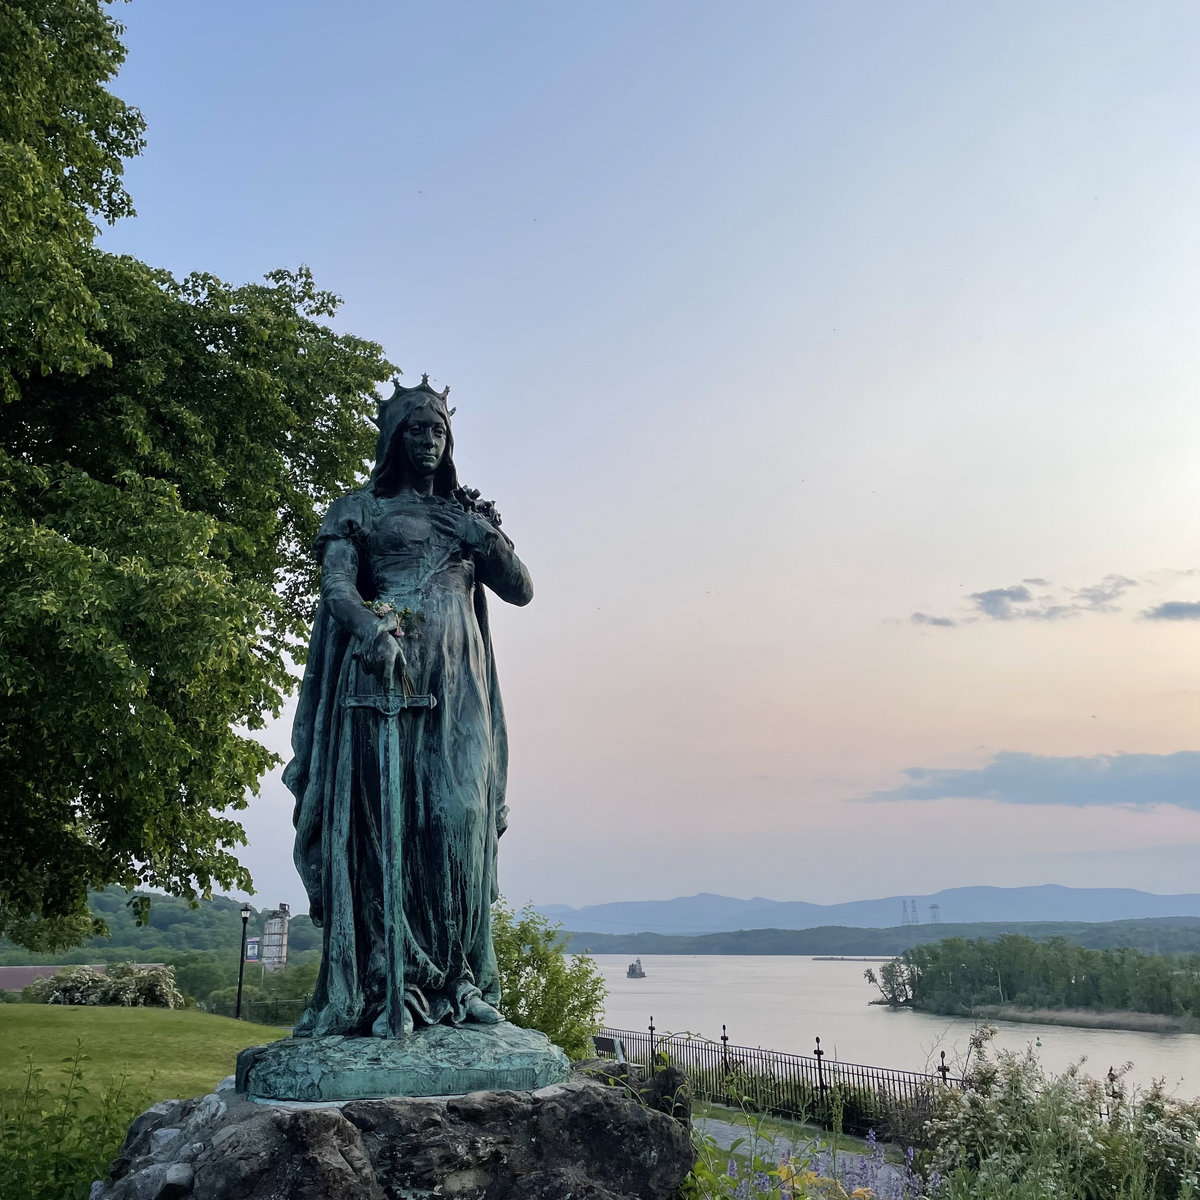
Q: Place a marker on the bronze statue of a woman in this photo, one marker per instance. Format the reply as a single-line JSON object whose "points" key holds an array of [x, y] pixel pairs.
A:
{"points": [[399, 739]]}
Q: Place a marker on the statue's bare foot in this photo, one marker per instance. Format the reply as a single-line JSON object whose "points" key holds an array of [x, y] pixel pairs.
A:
{"points": [[380, 1027], [478, 1009]]}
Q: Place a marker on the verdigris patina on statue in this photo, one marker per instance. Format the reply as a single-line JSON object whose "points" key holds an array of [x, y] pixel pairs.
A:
{"points": [[399, 776]]}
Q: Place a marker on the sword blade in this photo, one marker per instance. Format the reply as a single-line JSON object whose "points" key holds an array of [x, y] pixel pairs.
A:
{"points": [[393, 915]]}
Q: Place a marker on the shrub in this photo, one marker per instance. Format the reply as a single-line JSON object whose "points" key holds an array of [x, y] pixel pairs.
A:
{"points": [[124, 984], [539, 988], [1017, 1131]]}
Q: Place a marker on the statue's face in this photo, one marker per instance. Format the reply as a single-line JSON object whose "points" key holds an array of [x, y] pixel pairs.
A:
{"points": [[425, 439]]}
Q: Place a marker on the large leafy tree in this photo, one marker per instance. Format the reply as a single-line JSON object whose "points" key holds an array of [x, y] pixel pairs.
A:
{"points": [[63, 137], [165, 448]]}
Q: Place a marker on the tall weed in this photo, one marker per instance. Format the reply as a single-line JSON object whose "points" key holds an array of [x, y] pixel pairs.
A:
{"points": [[56, 1140]]}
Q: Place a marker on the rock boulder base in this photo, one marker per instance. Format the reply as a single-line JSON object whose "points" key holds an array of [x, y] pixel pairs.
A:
{"points": [[581, 1139]]}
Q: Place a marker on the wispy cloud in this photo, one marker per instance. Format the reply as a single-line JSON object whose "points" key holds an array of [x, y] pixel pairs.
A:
{"points": [[1012, 777], [1174, 610], [1102, 596], [1001, 603], [1018, 603], [920, 618]]}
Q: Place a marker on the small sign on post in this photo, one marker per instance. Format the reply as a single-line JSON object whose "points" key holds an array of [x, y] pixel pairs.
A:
{"points": [[252, 949]]}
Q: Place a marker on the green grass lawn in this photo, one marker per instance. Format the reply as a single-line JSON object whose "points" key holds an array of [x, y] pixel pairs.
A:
{"points": [[165, 1054]]}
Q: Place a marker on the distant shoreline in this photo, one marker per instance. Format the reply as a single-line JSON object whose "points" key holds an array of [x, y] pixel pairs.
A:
{"points": [[852, 958], [1076, 1018], [1085, 1018]]}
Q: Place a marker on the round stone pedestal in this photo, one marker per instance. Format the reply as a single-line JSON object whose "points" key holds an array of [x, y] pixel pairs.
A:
{"points": [[436, 1060]]}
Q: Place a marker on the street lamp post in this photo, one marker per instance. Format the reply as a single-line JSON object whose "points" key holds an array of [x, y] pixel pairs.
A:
{"points": [[246, 911]]}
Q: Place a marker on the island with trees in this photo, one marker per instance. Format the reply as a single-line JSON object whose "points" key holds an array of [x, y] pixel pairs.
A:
{"points": [[1055, 981]]}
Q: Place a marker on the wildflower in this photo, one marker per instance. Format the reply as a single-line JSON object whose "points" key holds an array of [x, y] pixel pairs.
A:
{"points": [[731, 1170]]}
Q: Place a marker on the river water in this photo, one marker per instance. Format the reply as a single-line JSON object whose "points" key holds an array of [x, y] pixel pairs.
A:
{"points": [[782, 1002]]}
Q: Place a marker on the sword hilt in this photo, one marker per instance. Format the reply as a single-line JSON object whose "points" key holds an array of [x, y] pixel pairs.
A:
{"points": [[390, 704]]}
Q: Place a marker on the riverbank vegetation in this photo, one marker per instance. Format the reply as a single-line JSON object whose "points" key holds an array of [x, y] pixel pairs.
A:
{"points": [[1013, 1132], [1018, 975]]}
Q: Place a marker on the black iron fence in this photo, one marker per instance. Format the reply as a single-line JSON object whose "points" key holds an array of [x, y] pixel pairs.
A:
{"points": [[263, 1012], [814, 1087]]}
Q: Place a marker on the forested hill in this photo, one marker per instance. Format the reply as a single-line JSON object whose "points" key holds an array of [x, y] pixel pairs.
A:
{"points": [[1163, 935], [174, 928], [216, 925]]}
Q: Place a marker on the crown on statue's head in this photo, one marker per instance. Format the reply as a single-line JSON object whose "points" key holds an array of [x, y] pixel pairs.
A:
{"points": [[409, 394]]}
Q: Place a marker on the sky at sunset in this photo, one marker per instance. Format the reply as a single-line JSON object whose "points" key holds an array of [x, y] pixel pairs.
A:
{"points": [[835, 370]]}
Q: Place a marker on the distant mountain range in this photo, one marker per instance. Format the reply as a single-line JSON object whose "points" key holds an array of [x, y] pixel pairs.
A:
{"points": [[708, 913], [1151, 935]]}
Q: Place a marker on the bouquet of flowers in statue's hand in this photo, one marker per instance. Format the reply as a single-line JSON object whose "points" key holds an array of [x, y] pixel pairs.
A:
{"points": [[403, 625]]}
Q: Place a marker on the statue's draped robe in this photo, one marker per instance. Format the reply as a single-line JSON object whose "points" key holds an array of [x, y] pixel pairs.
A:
{"points": [[450, 776]]}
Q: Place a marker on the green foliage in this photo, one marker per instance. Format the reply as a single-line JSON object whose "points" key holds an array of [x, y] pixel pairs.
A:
{"points": [[63, 136], [271, 998], [171, 929], [541, 989], [1019, 1132], [53, 1142], [122, 983], [749, 1171], [955, 975], [166, 447], [835, 1099], [154, 523]]}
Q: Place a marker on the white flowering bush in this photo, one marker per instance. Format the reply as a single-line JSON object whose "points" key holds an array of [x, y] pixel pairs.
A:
{"points": [[133, 986], [124, 984], [1017, 1131], [71, 985]]}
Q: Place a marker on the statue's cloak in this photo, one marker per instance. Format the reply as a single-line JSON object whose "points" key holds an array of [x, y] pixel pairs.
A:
{"points": [[447, 939]]}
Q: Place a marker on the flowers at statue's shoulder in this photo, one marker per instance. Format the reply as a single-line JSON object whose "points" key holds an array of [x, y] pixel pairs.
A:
{"points": [[470, 499]]}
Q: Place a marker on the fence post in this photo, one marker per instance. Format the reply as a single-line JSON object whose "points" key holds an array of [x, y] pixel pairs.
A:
{"points": [[724, 1051], [652, 1070], [943, 1070], [820, 1054]]}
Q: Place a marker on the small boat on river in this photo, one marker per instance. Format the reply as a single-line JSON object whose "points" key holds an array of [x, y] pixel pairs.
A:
{"points": [[635, 970]]}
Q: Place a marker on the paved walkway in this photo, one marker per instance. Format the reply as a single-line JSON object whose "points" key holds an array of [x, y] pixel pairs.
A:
{"points": [[773, 1146]]}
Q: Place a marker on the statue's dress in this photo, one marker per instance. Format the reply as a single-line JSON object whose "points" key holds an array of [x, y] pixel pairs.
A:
{"points": [[449, 777]]}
